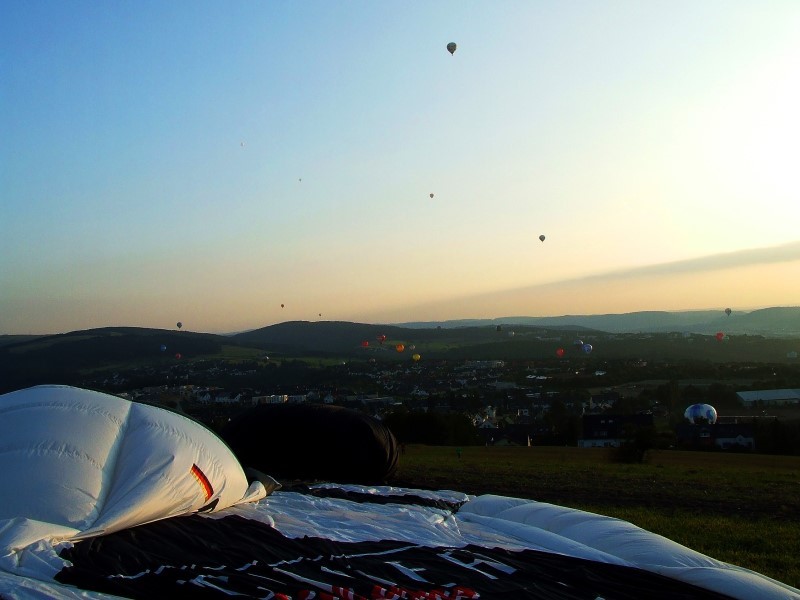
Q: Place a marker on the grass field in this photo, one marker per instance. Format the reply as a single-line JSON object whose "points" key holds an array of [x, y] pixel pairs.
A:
{"points": [[739, 508]]}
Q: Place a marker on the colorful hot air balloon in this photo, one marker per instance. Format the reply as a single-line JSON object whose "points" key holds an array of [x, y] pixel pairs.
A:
{"points": [[541, 238], [365, 344], [720, 336], [412, 347], [416, 357], [587, 348], [178, 355], [399, 347], [451, 48], [560, 352], [163, 347], [381, 338]]}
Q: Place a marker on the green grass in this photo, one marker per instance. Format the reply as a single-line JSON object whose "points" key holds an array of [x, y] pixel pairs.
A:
{"points": [[740, 508]]}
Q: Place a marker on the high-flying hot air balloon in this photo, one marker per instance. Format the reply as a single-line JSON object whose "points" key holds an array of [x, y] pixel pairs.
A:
{"points": [[431, 194], [587, 348], [720, 336], [560, 352], [365, 344], [281, 305], [728, 311], [178, 355], [541, 238], [451, 48], [179, 324], [416, 357], [399, 347], [163, 347]]}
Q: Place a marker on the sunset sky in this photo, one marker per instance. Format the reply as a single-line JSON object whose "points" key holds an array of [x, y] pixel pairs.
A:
{"points": [[208, 162]]}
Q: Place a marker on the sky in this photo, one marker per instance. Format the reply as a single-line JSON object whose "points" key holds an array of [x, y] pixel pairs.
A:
{"points": [[232, 165]]}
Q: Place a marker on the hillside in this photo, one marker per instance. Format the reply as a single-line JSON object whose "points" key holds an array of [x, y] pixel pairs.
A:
{"points": [[65, 358], [769, 322]]}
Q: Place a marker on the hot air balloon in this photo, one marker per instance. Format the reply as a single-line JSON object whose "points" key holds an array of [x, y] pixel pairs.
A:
{"points": [[163, 347], [431, 195], [399, 347], [701, 413], [178, 355], [451, 48], [381, 338], [541, 238], [720, 336], [728, 311], [560, 352], [365, 344], [412, 347], [179, 324], [281, 305], [416, 357], [587, 348]]}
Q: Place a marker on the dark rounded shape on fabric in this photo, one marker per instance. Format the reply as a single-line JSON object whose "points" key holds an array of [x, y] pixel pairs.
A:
{"points": [[317, 442]]}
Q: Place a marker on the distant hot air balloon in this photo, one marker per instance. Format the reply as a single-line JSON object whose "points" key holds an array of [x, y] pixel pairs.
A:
{"points": [[511, 334], [451, 48], [720, 336], [163, 347], [587, 348], [178, 355], [541, 238], [281, 305], [381, 338], [560, 352], [399, 347], [179, 324], [431, 194], [728, 311], [415, 357], [412, 347], [365, 344]]}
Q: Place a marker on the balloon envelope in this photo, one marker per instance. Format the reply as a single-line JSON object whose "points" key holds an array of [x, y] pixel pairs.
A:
{"points": [[163, 347], [178, 355], [431, 195], [400, 347], [541, 238], [416, 357], [587, 348], [728, 311], [451, 47], [179, 324], [699, 413], [719, 336], [560, 352]]}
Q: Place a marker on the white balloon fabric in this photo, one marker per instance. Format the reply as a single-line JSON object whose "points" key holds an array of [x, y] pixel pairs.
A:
{"points": [[77, 463]]}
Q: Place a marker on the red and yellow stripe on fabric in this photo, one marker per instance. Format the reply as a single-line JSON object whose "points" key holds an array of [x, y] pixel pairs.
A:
{"points": [[203, 481]]}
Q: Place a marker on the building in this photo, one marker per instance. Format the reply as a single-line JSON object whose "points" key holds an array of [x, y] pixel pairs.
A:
{"points": [[756, 398]]}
